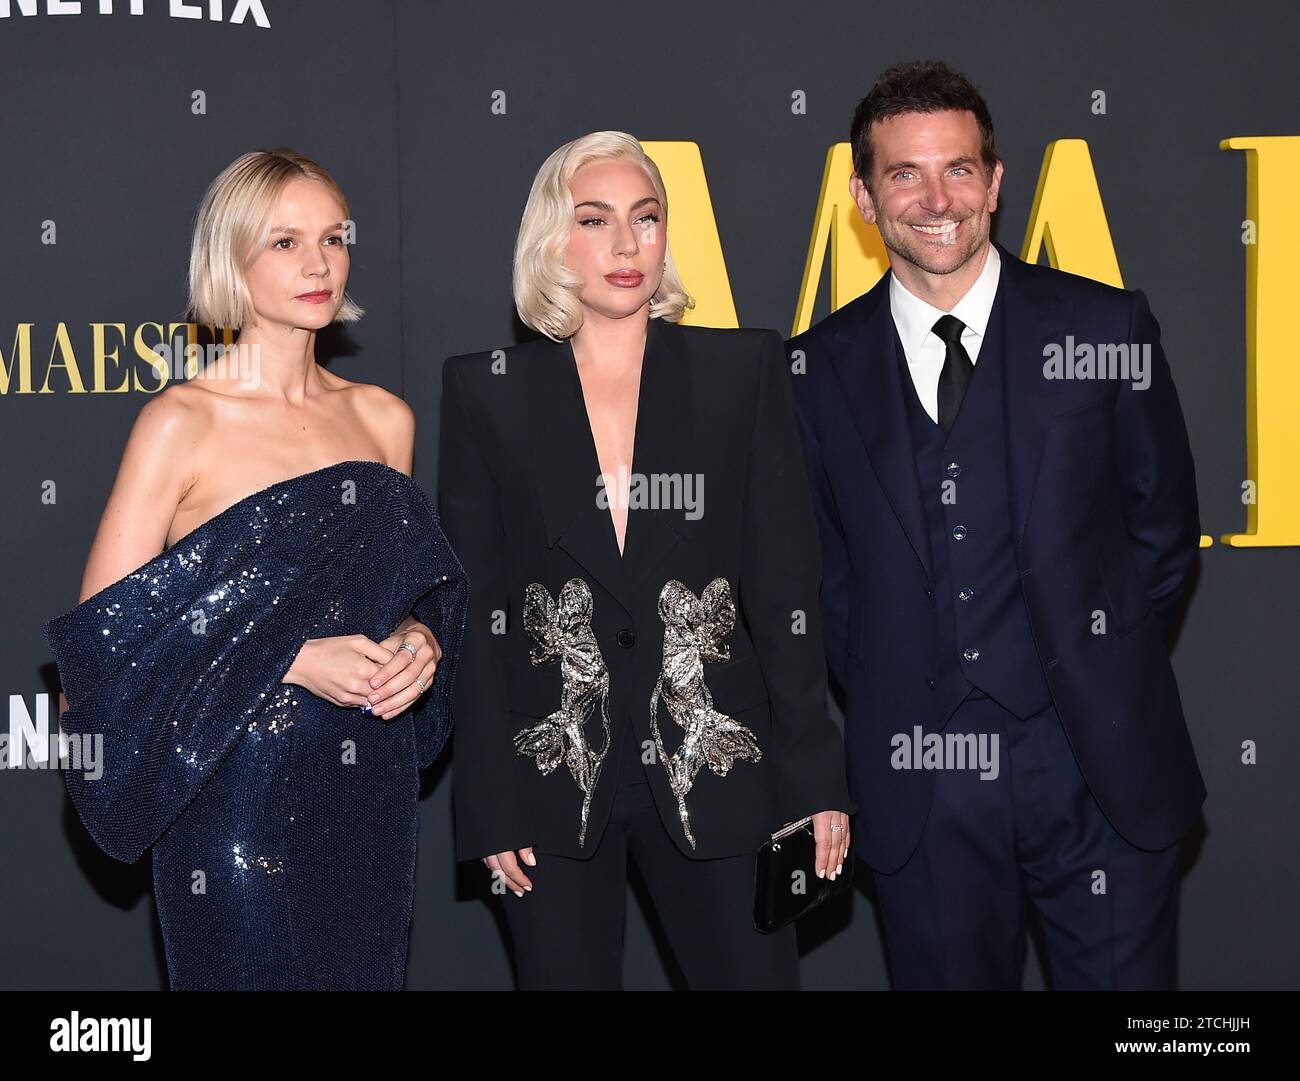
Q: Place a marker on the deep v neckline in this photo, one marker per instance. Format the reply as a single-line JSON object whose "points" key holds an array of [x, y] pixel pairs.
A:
{"points": [[636, 434], [565, 461]]}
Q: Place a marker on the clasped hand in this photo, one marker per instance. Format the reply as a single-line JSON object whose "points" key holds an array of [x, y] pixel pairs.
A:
{"points": [[351, 670]]}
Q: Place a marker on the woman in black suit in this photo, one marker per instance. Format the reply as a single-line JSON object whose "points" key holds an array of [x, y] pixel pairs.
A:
{"points": [[642, 672]]}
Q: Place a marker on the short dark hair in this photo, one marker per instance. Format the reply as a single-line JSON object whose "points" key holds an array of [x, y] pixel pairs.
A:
{"points": [[921, 86]]}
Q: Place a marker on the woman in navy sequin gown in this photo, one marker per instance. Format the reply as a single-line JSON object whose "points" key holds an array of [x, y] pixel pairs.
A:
{"points": [[268, 672]]}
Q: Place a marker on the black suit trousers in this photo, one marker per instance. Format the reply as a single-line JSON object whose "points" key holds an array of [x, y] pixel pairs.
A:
{"points": [[568, 932]]}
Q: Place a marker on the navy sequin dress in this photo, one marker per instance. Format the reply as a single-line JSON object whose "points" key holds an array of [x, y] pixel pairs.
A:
{"points": [[283, 827]]}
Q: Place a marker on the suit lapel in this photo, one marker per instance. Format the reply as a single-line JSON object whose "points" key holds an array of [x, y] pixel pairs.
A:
{"points": [[663, 450], [866, 364], [1032, 317], [568, 468]]}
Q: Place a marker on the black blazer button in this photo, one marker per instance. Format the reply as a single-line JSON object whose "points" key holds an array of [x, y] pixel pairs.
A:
{"points": [[625, 638]]}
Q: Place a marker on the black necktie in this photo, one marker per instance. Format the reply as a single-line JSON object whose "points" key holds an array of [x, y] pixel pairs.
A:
{"points": [[957, 368]]}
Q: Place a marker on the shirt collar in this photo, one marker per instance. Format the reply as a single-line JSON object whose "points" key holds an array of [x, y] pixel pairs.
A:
{"points": [[915, 318]]}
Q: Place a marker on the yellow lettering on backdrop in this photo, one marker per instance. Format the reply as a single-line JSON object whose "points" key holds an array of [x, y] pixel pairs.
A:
{"points": [[1068, 217], [67, 360], [693, 232], [20, 357], [1272, 379], [102, 355], [858, 255], [151, 357]]}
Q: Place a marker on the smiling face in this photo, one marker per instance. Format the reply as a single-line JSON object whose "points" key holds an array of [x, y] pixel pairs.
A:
{"points": [[932, 197], [618, 240], [297, 279]]}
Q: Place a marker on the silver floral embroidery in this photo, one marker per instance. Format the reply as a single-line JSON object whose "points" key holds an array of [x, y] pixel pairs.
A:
{"points": [[562, 631], [694, 629]]}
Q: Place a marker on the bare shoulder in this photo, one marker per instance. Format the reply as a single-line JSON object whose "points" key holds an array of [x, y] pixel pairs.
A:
{"points": [[155, 474], [376, 408], [179, 403], [383, 407], [388, 419], [169, 434]]}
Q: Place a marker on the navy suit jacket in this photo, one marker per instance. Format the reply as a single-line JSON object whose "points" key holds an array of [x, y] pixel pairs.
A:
{"points": [[1103, 508]]}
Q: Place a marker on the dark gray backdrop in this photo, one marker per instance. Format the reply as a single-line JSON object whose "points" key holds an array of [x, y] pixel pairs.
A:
{"points": [[394, 97]]}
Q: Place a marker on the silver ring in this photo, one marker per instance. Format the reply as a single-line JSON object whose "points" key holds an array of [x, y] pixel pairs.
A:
{"points": [[421, 683], [837, 829], [412, 650]]}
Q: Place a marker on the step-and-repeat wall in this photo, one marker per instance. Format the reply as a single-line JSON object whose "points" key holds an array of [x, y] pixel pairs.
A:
{"points": [[1153, 144]]}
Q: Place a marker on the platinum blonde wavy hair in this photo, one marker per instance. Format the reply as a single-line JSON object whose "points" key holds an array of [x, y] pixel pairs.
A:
{"points": [[234, 222], [546, 291]]}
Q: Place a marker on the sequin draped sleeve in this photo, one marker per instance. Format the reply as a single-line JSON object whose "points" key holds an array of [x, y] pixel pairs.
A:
{"points": [[171, 664], [779, 590], [441, 607], [489, 817]]}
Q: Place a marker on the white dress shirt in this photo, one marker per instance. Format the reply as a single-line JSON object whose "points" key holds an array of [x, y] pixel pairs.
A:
{"points": [[915, 319]]}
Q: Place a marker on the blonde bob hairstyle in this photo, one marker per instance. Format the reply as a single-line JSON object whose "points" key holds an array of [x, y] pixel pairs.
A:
{"points": [[546, 291], [234, 224]]}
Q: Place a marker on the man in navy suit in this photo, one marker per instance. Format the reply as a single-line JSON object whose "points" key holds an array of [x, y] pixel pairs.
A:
{"points": [[1007, 507]]}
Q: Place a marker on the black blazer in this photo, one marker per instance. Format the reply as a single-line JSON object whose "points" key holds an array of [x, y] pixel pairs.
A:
{"points": [[1103, 509], [518, 492]]}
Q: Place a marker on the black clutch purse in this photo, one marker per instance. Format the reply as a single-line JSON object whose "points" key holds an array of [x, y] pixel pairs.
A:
{"points": [[785, 877]]}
